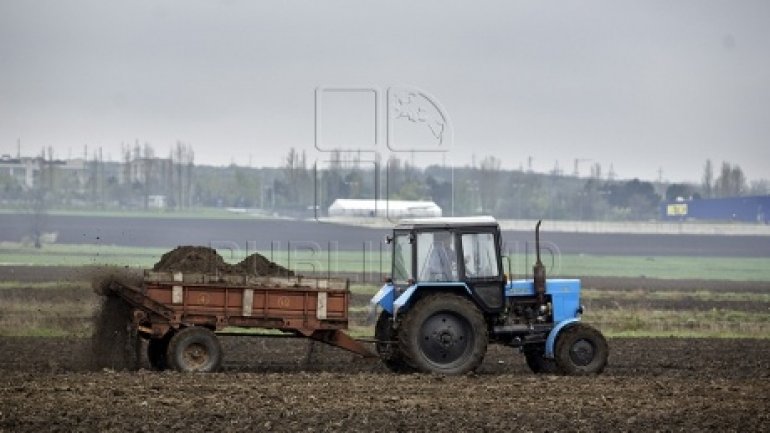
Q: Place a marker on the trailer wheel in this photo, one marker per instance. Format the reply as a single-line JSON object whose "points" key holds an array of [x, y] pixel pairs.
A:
{"points": [[538, 363], [194, 349], [443, 333], [387, 345], [581, 350], [156, 351]]}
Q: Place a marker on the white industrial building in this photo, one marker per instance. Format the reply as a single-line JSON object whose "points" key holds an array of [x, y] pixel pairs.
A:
{"points": [[343, 207]]}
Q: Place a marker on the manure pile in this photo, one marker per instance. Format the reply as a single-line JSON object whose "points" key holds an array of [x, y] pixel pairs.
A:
{"points": [[207, 260]]}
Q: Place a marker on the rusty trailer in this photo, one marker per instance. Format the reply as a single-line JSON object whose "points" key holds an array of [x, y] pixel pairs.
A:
{"points": [[181, 313]]}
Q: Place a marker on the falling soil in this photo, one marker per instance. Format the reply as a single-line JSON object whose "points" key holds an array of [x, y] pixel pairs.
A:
{"points": [[206, 260], [113, 344], [102, 277]]}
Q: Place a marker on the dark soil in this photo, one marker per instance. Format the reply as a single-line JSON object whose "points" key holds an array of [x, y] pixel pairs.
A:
{"points": [[270, 384], [283, 385], [207, 260]]}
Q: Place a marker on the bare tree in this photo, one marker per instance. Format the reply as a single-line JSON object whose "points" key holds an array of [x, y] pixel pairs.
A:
{"points": [[731, 181], [708, 179], [38, 202], [297, 177], [182, 157], [737, 181], [489, 181], [147, 161], [760, 187]]}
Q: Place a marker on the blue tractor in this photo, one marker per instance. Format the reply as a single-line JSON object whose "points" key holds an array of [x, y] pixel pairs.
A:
{"points": [[448, 298]]}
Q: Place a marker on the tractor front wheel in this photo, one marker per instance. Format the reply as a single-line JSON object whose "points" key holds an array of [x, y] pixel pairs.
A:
{"points": [[443, 333], [581, 350], [194, 349]]}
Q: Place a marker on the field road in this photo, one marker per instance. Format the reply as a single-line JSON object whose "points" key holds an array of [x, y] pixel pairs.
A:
{"points": [[258, 233]]}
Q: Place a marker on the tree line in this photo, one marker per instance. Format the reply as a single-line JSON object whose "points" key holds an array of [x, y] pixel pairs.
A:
{"points": [[300, 187]]}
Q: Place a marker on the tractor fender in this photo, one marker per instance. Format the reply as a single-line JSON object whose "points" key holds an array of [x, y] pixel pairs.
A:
{"points": [[384, 298], [551, 340], [405, 297]]}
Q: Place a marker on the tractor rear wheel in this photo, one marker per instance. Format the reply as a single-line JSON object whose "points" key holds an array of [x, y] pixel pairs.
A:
{"points": [[443, 333], [387, 345], [538, 363], [194, 349], [581, 350]]}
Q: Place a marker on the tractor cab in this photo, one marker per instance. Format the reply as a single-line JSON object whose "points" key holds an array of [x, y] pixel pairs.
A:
{"points": [[454, 253]]}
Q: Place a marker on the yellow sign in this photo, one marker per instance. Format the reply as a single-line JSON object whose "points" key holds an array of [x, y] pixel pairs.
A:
{"points": [[679, 209]]}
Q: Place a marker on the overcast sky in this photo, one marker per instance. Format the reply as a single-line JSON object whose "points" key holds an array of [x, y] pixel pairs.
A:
{"points": [[644, 85]]}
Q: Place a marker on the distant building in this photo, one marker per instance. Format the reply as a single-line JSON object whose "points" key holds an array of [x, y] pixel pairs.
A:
{"points": [[25, 170], [381, 208], [752, 209], [28, 170], [157, 201]]}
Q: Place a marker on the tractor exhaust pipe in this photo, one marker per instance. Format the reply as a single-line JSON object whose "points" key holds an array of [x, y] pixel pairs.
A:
{"points": [[538, 271]]}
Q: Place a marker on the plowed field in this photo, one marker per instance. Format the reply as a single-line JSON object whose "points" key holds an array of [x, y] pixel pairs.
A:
{"points": [[293, 385], [651, 384]]}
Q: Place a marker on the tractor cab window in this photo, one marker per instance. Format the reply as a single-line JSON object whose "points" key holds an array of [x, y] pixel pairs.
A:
{"points": [[402, 259], [479, 254], [436, 256]]}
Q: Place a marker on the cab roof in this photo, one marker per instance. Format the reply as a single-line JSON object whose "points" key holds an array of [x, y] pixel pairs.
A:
{"points": [[447, 222]]}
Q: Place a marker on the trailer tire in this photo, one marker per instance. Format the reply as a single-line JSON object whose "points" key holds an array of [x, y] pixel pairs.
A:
{"points": [[194, 349], [581, 350], [538, 363], [387, 345], [443, 333], [157, 349]]}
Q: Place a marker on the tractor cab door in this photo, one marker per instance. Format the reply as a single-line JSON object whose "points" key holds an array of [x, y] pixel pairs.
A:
{"points": [[436, 255], [481, 267], [403, 259]]}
